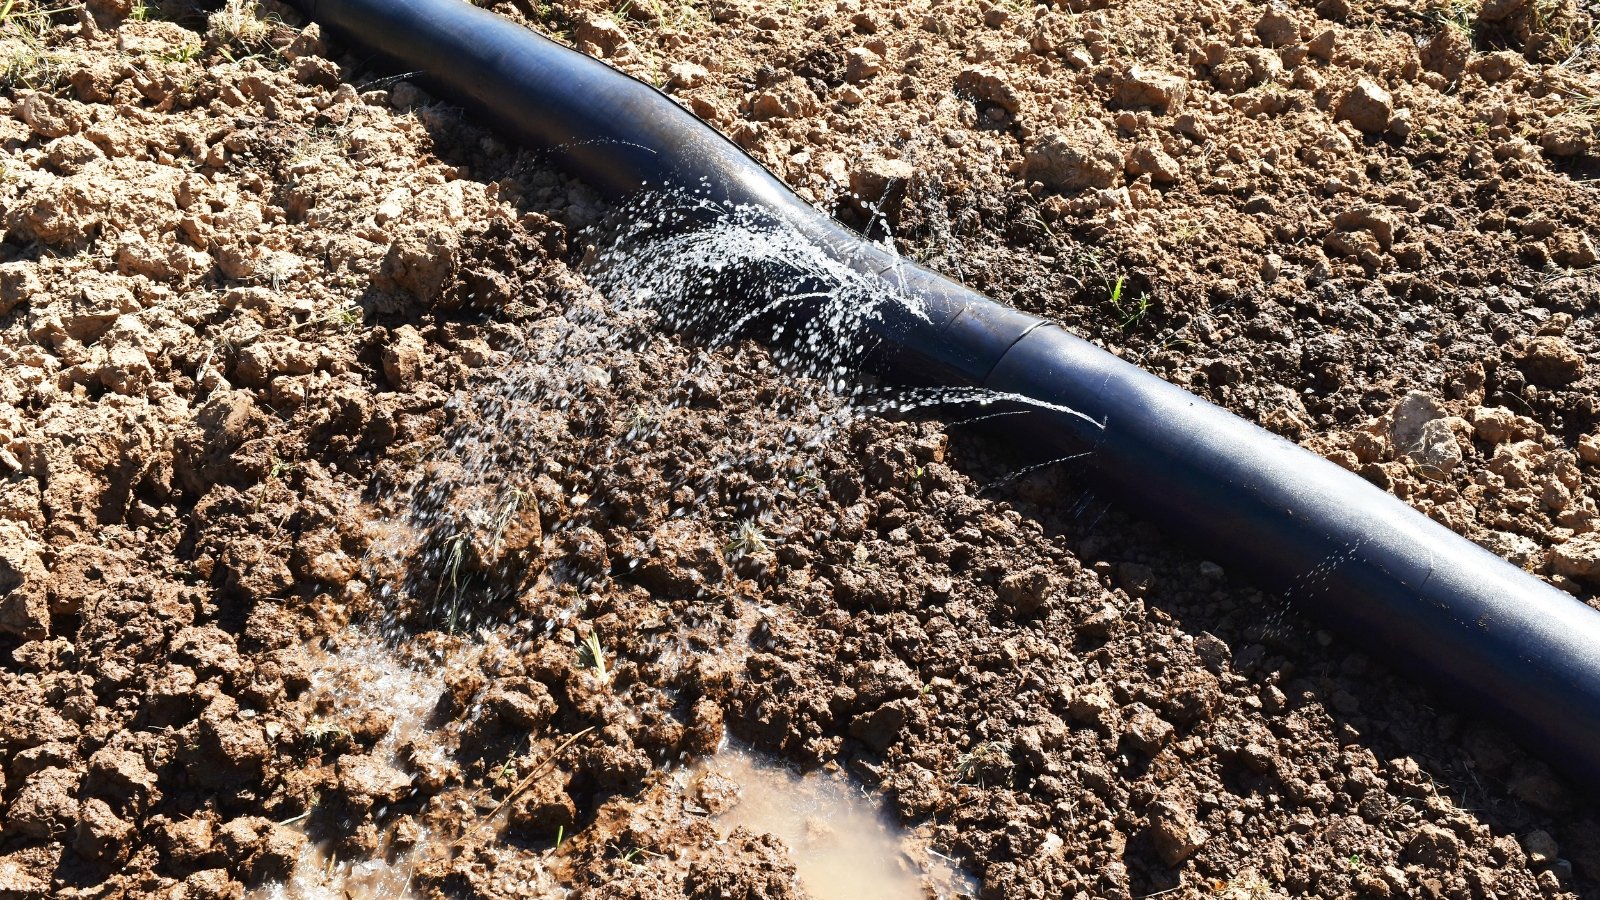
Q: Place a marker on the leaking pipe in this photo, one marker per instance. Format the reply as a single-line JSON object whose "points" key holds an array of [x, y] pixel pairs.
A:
{"points": [[1492, 638]]}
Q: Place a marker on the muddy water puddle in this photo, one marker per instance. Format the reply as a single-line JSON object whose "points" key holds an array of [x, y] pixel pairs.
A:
{"points": [[319, 876], [842, 843]]}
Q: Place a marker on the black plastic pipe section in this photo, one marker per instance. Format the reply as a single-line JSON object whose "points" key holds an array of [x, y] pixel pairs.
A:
{"points": [[1494, 639]]}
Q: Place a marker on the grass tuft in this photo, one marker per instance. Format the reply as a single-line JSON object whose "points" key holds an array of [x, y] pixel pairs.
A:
{"points": [[593, 656], [25, 57], [748, 540], [237, 24]]}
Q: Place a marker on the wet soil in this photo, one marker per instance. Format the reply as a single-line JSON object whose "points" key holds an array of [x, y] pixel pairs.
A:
{"points": [[344, 520]]}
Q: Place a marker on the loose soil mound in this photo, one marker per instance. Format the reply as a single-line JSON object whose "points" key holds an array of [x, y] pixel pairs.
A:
{"points": [[293, 352]]}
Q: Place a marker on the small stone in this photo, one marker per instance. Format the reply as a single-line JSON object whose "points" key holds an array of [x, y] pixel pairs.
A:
{"points": [[861, 64], [787, 99], [1550, 360], [1578, 558], [211, 884], [52, 117], [1541, 848], [276, 853], [101, 302], [706, 727], [526, 707], [1094, 705], [543, 808], [308, 43], [1574, 250], [1321, 44], [366, 780], [1194, 696], [70, 153], [1175, 833], [600, 36], [988, 86], [1273, 699], [1448, 53], [127, 370], [881, 182], [209, 649], [1371, 884], [1259, 757], [99, 835], [1497, 66], [1147, 731], [1437, 448], [1400, 124], [121, 775], [317, 71], [882, 680], [1135, 578], [45, 807], [1494, 425], [687, 75], [1375, 220], [184, 842], [1026, 594], [1514, 548], [19, 283], [1099, 624], [1153, 161], [1366, 106], [403, 358], [880, 728], [1434, 847], [1589, 449], [1192, 127], [1276, 29], [237, 740], [405, 96], [1159, 91], [1334, 10], [1564, 137], [1246, 67], [1414, 411], [717, 792]]}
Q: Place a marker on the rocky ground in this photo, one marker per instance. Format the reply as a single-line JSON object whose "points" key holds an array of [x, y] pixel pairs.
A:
{"points": [[294, 354]]}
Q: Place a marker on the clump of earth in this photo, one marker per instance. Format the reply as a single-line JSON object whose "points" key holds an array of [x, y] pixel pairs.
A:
{"points": [[341, 517]]}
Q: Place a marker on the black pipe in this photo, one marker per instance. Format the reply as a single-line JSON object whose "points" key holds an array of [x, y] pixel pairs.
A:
{"points": [[1496, 640]]}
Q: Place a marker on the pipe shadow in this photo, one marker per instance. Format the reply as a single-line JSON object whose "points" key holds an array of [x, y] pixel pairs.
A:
{"points": [[1389, 729]]}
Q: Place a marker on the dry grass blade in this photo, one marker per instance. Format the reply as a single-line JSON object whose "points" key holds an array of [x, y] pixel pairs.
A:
{"points": [[522, 785], [25, 60]]}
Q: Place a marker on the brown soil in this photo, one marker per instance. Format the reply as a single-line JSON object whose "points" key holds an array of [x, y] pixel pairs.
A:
{"points": [[291, 349]]}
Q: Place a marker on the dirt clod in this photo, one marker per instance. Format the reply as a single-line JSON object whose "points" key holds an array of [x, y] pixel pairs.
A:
{"points": [[1084, 157], [1367, 106]]}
